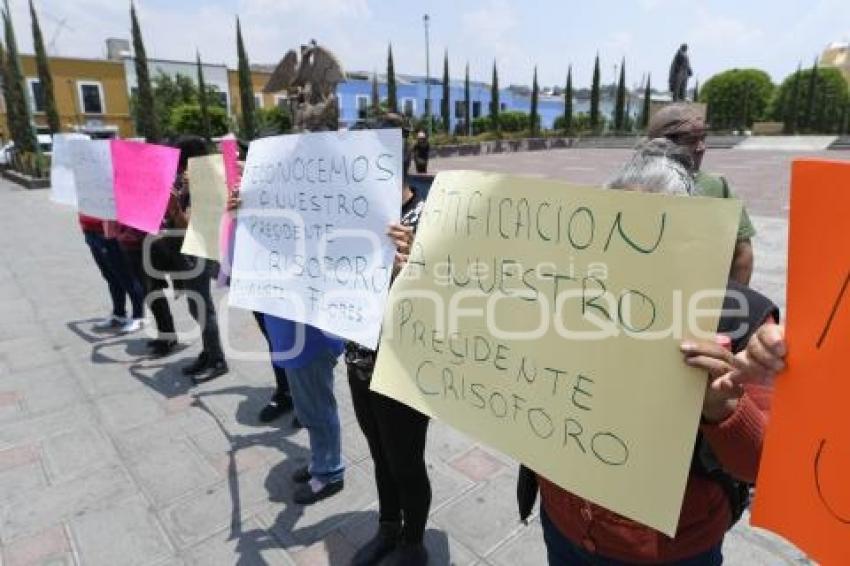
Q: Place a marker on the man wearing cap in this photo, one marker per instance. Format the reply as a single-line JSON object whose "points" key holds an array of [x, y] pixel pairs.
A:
{"points": [[684, 125]]}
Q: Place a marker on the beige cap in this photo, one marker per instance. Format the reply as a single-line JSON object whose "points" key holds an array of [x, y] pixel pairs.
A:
{"points": [[675, 119]]}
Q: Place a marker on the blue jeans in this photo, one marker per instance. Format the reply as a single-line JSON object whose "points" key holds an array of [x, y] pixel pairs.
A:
{"points": [[115, 270], [563, 552], [312, 388]]}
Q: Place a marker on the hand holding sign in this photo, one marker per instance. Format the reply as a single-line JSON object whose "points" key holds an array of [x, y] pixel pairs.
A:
{"points": [[802, 491]]}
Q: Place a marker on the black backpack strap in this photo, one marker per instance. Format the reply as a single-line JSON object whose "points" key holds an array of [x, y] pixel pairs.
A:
{"points": [[526, 492]]}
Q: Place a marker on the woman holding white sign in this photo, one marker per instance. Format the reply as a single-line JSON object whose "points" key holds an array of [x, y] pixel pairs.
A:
{"points": [[728, 446]]}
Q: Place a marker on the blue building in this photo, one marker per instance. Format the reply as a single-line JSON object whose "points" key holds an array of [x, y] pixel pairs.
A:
{"points": [[412, 92]]}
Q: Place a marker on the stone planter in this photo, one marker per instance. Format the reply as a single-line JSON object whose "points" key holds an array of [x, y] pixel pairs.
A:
{"points": [[26, 181]]}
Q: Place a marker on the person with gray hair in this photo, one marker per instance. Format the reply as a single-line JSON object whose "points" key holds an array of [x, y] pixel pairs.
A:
{"points": [[657, 166], [728, 444]]}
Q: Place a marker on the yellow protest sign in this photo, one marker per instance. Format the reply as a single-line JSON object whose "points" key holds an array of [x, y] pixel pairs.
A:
{"points": [[208, 191], [545, 320]]}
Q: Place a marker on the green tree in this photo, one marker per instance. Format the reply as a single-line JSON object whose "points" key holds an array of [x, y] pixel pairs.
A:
{"points": [[594, 97], [189, 119], [568, 103], [534, 117], [18, 111], [170, 92], [147, 125], [494, 100], [4, 77], [375, 99], [620, 103], [647, 103], [445, 102], [45, 79], [246, 88], [273, 121], [203, 105], [392, 97], [737, 98], [696, 91], [811, 95], [467, 102], [832, 97], [791, 104]]}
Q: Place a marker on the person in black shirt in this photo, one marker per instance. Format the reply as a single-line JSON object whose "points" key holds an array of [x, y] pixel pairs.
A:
{"points": [[421, 152], [395, 434]]}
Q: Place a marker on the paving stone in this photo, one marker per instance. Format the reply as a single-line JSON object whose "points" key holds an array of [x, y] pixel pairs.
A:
{"points": [[250, 546], [72, 453], [167, 469], [446, 483], [447, 443], [124, 411], [483, 517], [202, 514], [477, 464], [18, 456], [126, 532], [526, 549], [50, 546], [27, 477], [445, 549], [28, 512], [330, 551]]}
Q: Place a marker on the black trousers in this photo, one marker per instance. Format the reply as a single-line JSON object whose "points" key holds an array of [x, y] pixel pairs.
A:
{"points": [[396, 436], [282, 390]]}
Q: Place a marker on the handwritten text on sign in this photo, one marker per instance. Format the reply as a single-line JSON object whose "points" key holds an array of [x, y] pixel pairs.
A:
{"points": [[803, 492], [92, 166], [545, 320], [311, 242]]}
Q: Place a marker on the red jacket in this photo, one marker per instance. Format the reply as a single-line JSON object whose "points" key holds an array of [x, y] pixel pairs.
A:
{"points": [[90, 224], [706, 514]]}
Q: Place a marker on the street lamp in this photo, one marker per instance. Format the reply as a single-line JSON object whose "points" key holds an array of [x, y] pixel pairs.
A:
{"points": [[426, 20]]}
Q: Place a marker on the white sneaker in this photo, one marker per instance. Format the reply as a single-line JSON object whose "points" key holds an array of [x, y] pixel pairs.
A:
{"points": [[132, 325], [110, 323]]}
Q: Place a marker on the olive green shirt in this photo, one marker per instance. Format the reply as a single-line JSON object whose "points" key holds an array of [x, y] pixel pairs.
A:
{"points": [[717, 187]]}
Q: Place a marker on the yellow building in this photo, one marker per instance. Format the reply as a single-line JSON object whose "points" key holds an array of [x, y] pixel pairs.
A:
{"points": [[837, 55], [91, 95]]}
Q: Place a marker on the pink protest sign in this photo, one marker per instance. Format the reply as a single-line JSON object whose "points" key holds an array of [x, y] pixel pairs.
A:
{"points": [[230, 153], [143, 176]]}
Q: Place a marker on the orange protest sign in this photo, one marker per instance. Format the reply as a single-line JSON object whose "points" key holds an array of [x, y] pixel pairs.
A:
{"points": [[803, 492]]}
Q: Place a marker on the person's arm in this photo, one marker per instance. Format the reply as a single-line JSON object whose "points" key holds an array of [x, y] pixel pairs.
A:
{"points": [[737, 399], [742, 262], [402, 237]]}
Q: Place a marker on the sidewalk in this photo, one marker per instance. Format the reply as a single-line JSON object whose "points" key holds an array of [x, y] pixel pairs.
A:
{"points": [[108, 458]]}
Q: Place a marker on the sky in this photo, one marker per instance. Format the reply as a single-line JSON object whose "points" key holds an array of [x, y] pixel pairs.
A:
{"points": [[552, 34]]}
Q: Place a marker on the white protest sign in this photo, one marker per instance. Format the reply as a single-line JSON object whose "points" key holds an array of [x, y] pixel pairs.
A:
{"points": [[63, 189], [92, 167], [311, 243]]}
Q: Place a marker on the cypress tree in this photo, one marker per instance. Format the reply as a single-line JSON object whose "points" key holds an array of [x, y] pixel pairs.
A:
{"points": [[568, 102], [4, 76], [376, 95], [594, 97], [45, 79], [246, 88], [808, 119], [792, 104], [696, 91], [533, 118], [19, 110], [466, 102], [620, 104], [147, 125], [647, 101], [392, 99], [445, 103], [494, 100], [202, 100]]}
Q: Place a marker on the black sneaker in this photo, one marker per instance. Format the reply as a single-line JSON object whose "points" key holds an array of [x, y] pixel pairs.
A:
{"points": [[212, 371], [199, 365], [301, 475], [383, 543], [304, 494], [161, 347], [275, 409], [296, 424], [408, 554]]}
